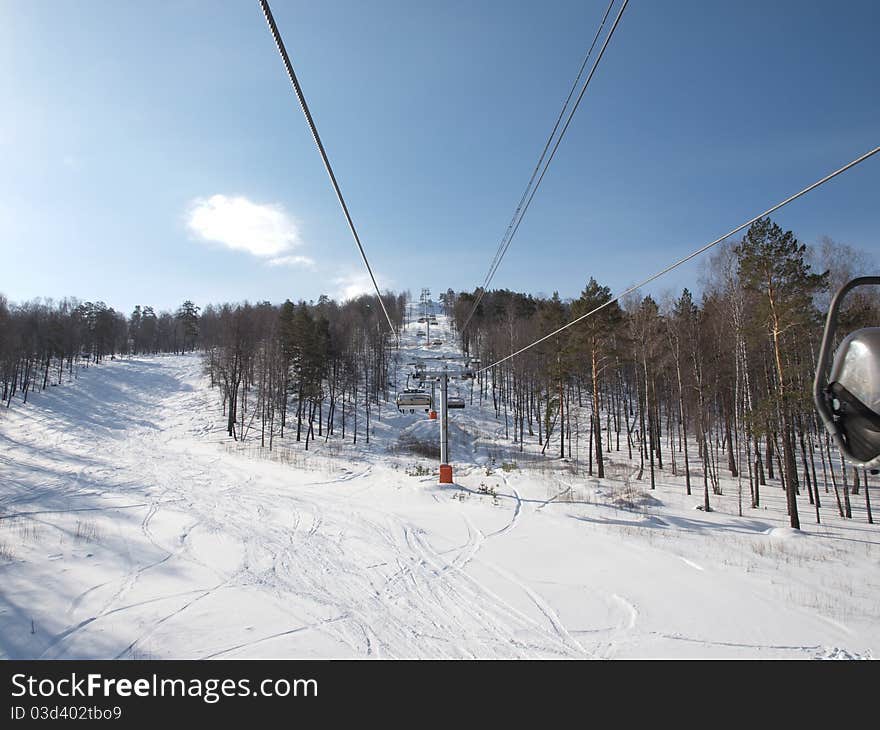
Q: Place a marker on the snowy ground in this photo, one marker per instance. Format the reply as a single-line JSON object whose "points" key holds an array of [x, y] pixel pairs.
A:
{"points": [[131, 528]]}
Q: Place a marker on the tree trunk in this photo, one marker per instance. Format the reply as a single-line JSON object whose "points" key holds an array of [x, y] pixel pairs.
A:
{"points": [[600, 462]]}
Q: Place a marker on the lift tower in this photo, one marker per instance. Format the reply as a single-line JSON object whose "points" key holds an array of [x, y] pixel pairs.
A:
{"points": [[424, 299], [442, 373]]}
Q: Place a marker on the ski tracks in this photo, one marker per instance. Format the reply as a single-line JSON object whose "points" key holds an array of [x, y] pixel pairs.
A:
{"points": [[366, 579]]}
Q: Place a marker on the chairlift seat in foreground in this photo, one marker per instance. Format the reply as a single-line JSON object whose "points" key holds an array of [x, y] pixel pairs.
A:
{"points": [[849, 401]]}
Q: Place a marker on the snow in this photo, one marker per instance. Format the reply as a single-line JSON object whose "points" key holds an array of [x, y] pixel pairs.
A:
{"points": [[131, 527]]}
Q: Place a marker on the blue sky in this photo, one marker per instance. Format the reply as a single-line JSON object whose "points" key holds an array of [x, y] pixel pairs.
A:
{"points": [[134, 135]]}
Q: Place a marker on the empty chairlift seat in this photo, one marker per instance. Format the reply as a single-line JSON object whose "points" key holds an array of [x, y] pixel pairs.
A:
{"points": [[454, 401], [413, 399]]}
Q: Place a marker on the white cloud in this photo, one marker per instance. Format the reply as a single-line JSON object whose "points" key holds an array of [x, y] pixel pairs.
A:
{"points": [[304, 261], [263, 230], [352, 286]]}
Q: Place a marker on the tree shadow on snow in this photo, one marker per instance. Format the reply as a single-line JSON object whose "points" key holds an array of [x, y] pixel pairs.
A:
{"points": [[743, 526]]}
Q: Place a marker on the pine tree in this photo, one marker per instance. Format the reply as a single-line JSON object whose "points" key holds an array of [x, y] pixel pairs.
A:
{"points": [[594, 337], [552, 316], [188, 318], [772, 263], [680, 328]]}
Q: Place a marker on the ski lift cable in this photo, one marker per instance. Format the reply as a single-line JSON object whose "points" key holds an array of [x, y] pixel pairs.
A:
{"points": [[267, 12], [690, 256], [511, 228], [519, 205], [561, 134], [530, 191]]}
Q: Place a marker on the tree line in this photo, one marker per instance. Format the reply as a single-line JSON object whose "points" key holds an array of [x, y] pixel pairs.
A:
{"points": [[326, 365], [322, 364], [41, 341], [701, 388]]}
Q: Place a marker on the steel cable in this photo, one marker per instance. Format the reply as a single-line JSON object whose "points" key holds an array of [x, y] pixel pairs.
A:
{"points": [[267, 12]]}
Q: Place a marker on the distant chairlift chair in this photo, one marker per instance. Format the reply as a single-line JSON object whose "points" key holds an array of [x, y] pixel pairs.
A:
{"points": [[413, 398]]}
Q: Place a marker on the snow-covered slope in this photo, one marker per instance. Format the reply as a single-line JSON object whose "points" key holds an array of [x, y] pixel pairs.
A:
{"points": [[130, 527]]}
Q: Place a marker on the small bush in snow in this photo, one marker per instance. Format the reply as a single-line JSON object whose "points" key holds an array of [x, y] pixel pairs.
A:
{"points": [[87, 531], [6, 553], [411, 444], [24, 528]]}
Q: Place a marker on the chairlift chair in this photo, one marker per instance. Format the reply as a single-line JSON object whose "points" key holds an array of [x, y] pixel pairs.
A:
{"points": [[848, 400], [413, 398]]}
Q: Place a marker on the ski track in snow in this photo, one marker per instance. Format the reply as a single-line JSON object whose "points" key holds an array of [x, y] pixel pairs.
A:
{"points": [[691, 563], [141, 534]]}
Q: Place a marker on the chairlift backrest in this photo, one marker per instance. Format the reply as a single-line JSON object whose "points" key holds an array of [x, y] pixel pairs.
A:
{"points": [[412, 399]]}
